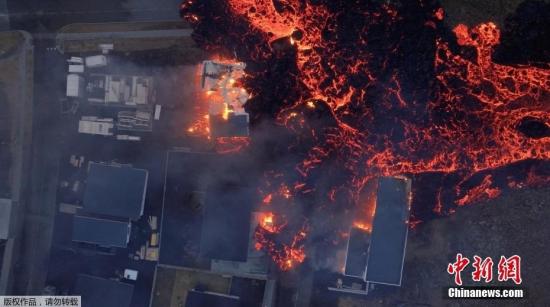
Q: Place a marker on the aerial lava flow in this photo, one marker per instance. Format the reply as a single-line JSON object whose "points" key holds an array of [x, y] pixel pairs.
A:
{"points": [[362, 89]]}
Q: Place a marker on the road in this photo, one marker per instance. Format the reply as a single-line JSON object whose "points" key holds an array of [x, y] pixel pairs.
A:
{"points": [[47, 134], [4, 16], [50, 15]]}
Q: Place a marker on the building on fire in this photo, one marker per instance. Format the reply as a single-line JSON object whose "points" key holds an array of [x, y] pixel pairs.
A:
{"points": [[207, 252], [226, 99], [376, 255]]}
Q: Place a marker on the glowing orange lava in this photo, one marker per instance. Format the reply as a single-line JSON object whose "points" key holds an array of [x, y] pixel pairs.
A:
{"points": [[358, 111], [285, 256]]}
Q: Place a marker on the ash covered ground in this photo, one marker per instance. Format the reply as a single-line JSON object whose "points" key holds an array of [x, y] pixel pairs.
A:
{"points": [[515, 223]]}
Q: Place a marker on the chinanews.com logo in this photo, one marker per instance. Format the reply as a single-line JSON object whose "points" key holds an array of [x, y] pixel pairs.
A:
{"points": [[481, 271]]}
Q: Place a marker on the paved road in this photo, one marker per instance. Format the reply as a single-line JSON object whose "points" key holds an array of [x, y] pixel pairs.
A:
{"points": [[4, 16], [21, 154], [47, 133], [115, 35], [50, 15]]}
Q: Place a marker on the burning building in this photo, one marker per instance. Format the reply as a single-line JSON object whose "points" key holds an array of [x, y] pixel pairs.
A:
{"points": [[207, 232], [343, 92], [226, 99], [375, 254]]}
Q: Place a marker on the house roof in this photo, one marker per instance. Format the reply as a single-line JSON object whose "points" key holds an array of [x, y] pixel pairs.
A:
{"points": [[96, 291], [187, 174], [210, 299], [389, 231], [357, 252], [117, 191], [226, 222], [100, 231], [236, 125], [212, 217]]}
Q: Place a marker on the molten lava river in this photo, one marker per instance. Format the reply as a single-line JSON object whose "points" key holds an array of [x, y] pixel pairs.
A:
{"points": [[342, 92]]}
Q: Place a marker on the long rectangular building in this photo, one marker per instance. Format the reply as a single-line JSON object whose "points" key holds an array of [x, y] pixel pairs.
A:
{"points": [[389, 232], [102, 232]]}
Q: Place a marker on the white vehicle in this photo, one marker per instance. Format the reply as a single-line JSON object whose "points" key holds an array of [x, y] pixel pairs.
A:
{"points": [[96, 61], [75, 60], [125, 137]]}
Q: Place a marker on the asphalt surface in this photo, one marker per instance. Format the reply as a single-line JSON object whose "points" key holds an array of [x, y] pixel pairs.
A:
{"points": [[50, 15], [47, 131], [20, 163]]}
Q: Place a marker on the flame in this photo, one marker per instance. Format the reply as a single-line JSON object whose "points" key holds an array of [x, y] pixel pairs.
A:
{"points": [[225, 89], [355, 111], [228, 145], [226, 111], [267, 223], [201, 127], [365, 227], [286, 256], [267, 199]]}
